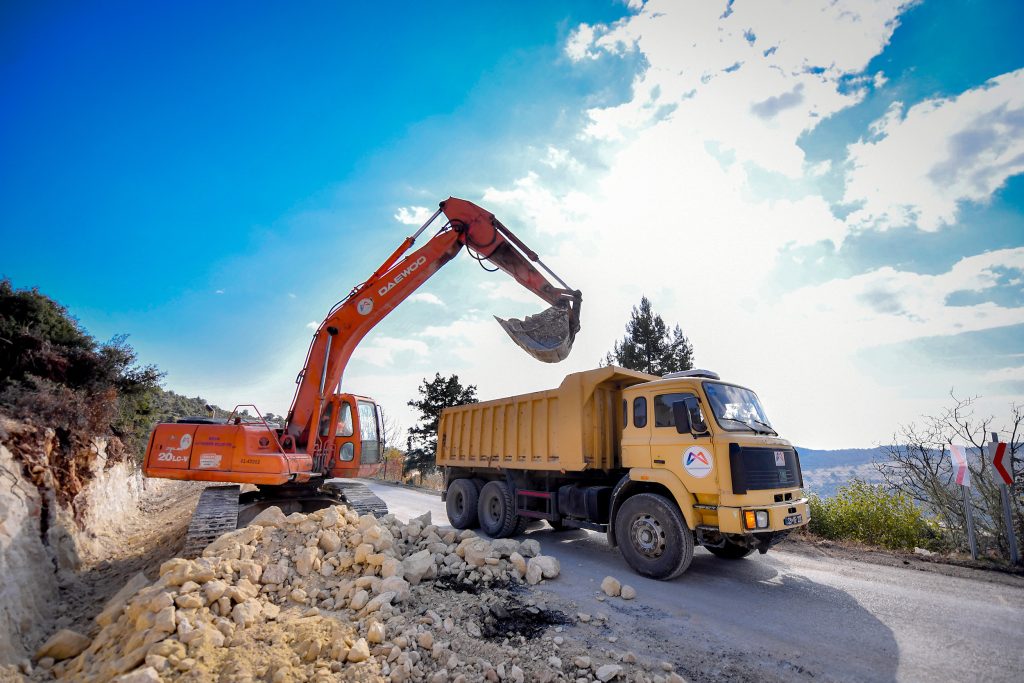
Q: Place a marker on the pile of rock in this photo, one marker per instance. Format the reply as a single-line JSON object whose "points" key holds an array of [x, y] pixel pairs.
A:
{"points": [[317, 595], [334, 596]]}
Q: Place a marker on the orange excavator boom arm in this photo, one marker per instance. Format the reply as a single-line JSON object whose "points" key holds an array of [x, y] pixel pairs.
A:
{"points": [[401, 274]]}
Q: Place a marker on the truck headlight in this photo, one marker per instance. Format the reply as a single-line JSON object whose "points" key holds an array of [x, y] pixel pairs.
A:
{"points": [[756, 519]]}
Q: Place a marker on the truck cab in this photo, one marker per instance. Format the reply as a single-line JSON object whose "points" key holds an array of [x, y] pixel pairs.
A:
{"points": [[715, 439]]}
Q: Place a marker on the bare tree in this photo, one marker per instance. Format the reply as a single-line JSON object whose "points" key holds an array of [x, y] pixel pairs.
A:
{"points": [[394, 443], [918, 465]]}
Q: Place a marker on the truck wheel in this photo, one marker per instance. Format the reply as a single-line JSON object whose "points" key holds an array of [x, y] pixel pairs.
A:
{"points": [[653, 536], [461, 503], [497, 510], [521, 525], [730, 551]]}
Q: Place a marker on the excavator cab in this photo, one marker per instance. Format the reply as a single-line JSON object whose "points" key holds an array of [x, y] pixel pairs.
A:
{"points": [[350, 441]]}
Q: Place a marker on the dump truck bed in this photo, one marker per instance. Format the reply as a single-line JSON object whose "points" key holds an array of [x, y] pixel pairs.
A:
{"points": [[576, 427]]}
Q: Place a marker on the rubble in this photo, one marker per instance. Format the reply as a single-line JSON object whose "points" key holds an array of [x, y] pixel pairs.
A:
{"points": [[63, 644], [334, 596], [611, 586]]}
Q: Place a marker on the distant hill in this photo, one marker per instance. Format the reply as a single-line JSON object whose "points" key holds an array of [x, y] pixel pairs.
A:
{"points": [[825, 471], [816, 459]]}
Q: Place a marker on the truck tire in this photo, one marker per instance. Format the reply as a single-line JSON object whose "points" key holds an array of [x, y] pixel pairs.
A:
{"points": [[497, 510], [521, 525], [730, 551], [653, 536], [461, 504]]}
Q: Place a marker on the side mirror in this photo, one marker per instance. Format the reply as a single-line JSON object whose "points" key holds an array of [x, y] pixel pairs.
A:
{"points": [[697, 425], [686, 414], [681, 416]]}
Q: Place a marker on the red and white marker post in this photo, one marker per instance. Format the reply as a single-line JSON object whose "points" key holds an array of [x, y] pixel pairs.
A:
{"points": [[1002, 460], [963, 477]]}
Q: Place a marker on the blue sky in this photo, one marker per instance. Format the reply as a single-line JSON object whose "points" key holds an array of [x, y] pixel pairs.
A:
{"points": [[827, 198]]}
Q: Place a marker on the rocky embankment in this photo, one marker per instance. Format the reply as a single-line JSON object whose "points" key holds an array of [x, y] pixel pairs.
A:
{"points": [[332, 596], [72, 530]]}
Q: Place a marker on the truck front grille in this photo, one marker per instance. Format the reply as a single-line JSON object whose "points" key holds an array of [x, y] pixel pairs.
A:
{"points": [[756, 469]]}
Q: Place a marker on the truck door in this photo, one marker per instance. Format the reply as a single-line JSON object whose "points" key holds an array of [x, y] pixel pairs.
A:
{"points": [[636, 431], [690, 458]]}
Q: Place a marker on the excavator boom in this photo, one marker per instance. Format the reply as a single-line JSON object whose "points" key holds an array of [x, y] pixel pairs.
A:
{"points": [[547, 336], [331, 436]]}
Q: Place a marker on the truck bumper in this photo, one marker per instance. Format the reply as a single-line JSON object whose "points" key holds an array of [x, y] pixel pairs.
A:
{"points": [[794, 514]]}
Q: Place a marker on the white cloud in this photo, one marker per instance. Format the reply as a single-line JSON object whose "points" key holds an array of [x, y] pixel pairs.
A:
{"points": [[381, 351], [509, 290], [219, 291], [1011, 374], [426, 298], [753, 79], [413, 215], [291, 295], [887, 305], [462, 331], [671, 220], [922, 164], [556, 158], [577, 48], [313, 325]]}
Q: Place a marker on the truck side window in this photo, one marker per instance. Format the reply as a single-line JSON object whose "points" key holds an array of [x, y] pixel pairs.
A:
{"points": [[640, 412], [663, 416]]}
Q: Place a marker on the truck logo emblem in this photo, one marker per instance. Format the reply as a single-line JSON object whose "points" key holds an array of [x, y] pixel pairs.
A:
{"points": [[698, 462], [365, 306]]}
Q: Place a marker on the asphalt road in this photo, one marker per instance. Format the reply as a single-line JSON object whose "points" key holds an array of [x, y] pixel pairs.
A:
{"points": [[782, 616]]}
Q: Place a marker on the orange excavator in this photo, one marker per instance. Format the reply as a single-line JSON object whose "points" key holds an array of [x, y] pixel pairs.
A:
{"points": [[329, 436]]}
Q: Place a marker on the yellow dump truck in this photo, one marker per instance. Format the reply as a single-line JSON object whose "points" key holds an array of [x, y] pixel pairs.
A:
{"points": [[660, 464]]}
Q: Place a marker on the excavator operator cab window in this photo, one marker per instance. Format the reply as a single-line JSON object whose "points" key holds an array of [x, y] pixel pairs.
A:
{"points": [[369, 434], [325, 420], [344, 420], [346, 451]]}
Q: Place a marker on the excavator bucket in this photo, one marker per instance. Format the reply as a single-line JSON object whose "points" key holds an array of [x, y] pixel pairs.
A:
{"points": [[547, 336]]}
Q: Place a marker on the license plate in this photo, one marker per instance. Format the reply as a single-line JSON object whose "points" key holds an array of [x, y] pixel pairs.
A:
{"points": [[792, 519]]}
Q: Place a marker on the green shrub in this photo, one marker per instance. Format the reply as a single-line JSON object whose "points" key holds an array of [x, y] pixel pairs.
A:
{"points": [[868, 513]]}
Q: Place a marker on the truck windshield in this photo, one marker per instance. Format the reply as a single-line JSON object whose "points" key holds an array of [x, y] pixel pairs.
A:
{"points": [[736, 408]]}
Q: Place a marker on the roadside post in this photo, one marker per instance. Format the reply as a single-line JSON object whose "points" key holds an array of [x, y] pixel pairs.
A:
{"points": [[1003, 462], [963, 478]]}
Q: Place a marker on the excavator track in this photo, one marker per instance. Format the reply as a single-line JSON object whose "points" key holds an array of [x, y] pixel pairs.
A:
{"points": [[219, 508], [216, 514], [359, 497]]}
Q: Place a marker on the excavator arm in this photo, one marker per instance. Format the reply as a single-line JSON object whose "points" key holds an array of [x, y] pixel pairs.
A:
{"points": [[547, 336]]}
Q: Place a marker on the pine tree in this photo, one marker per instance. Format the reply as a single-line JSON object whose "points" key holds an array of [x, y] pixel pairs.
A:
{"points": [[649, 346], [435, 396]]}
